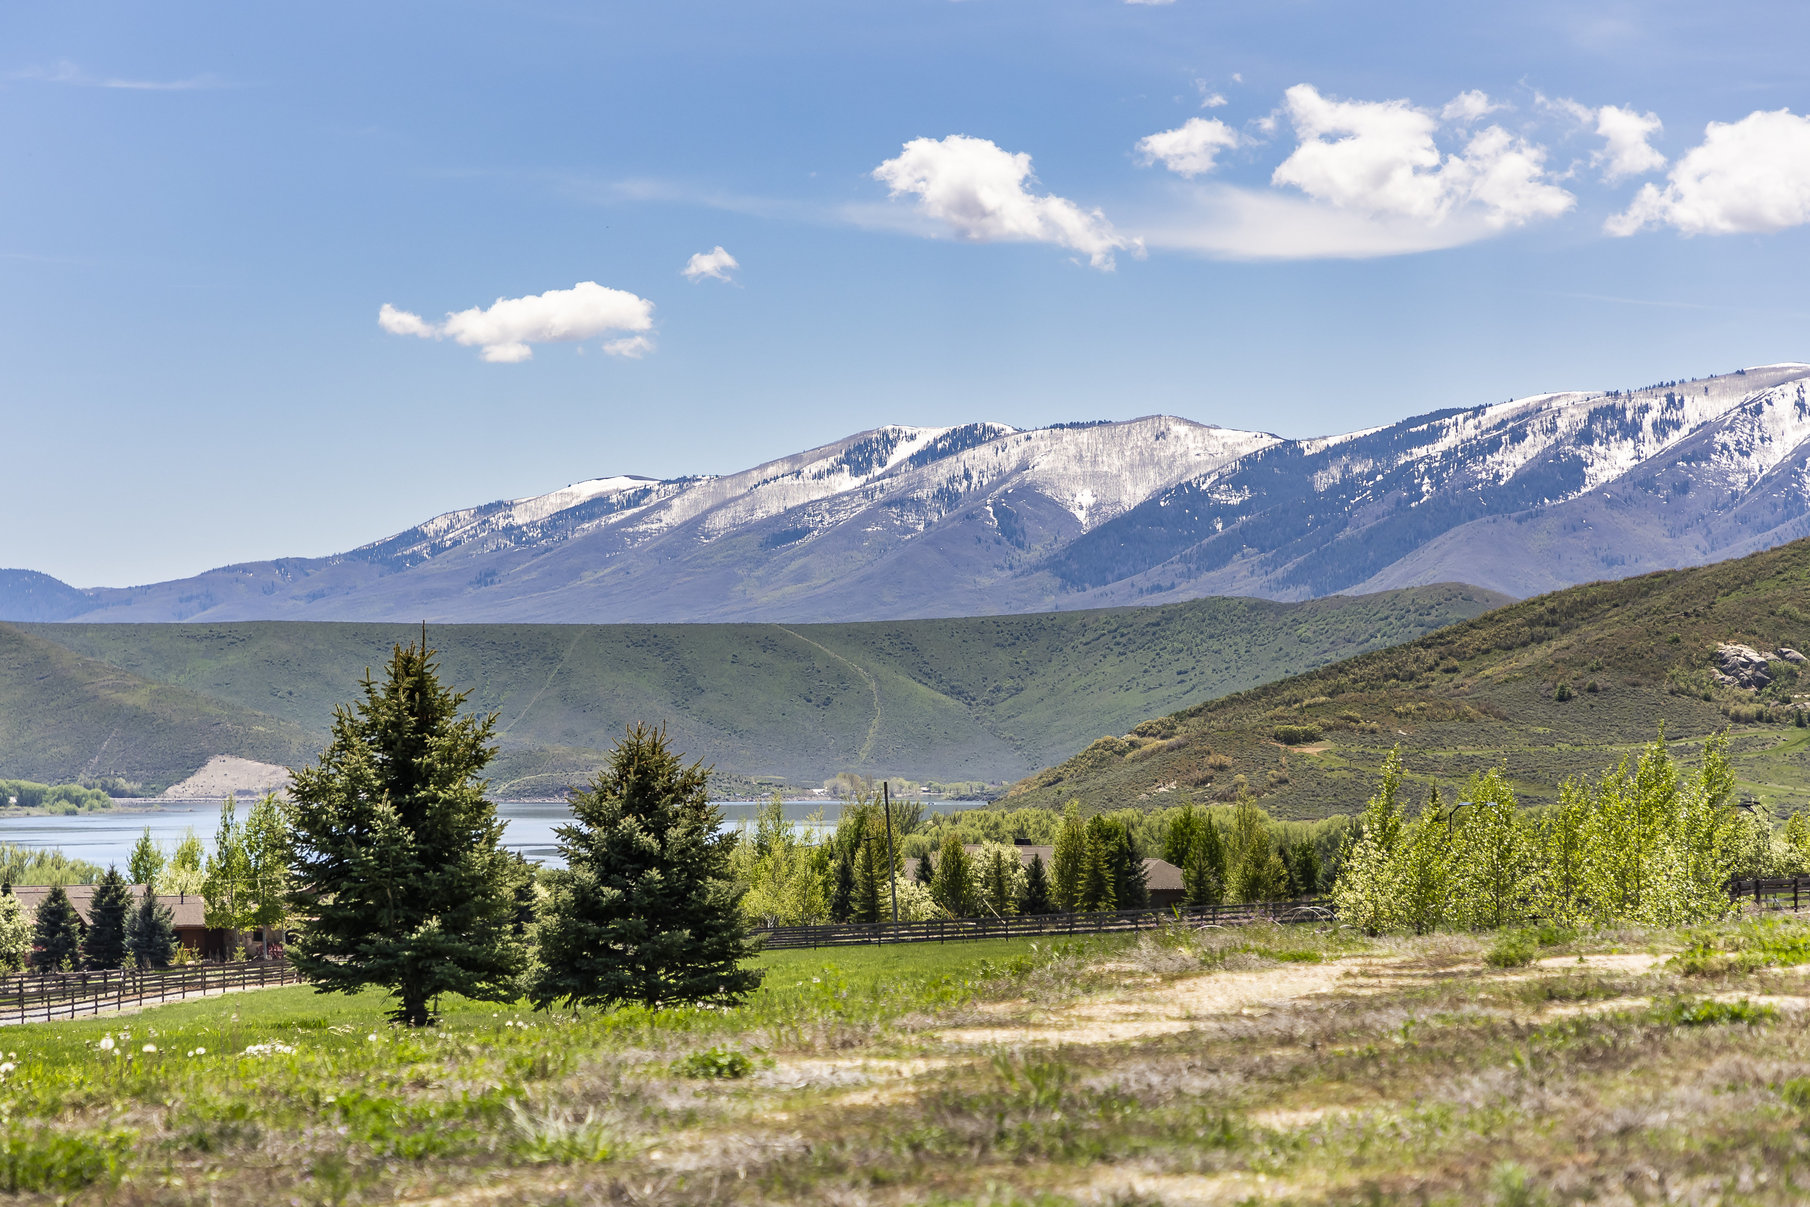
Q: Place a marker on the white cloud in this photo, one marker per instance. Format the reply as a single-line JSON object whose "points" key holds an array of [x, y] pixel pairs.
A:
{"points": [[715, 264], [1746, 177], [65, 72], [1214, 100], [1230, 223], [1189, 149], [1625, 150], [506, 329], [1381, 157], [1467, 107], [977, 189]]}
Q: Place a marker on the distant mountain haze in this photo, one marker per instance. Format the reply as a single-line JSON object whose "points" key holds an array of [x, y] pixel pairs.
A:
{"points": [[1519, 497]]}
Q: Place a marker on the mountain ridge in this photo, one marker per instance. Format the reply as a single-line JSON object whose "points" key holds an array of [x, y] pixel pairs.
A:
{"points": [[1517, 497]]}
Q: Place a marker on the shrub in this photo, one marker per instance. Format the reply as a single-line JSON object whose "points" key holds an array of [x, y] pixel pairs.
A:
{"points": [[52, 1159], [1513, 949], [713, 1064], [1707, 1012], [1295, 735]]}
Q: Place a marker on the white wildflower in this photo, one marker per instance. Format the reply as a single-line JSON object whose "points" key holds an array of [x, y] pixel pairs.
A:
{"points": [[106, 1043], [149, 1048], [269, 1049]]}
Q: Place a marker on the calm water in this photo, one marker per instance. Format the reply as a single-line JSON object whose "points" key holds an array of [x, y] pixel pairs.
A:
{"points": [[107, 838]]}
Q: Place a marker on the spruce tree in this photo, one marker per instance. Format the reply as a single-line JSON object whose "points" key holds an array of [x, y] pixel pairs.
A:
{"points": [[872, 900], [953, 887], [1068, 857], [646, 909], [1204, 874], [1036, 899], [151, 932], [56, 934], [1095, 890], [1130, 878], [1184, 831], [105, 944], [397, 875], [842, 890], [926, 873]]}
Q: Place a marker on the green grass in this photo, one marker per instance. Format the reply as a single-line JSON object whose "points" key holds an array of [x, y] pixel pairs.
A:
{"points": [[1400, 1072], [975, 699], [1482, 693]]}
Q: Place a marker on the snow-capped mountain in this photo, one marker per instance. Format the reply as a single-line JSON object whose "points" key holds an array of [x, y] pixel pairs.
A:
{"points": [[1520, 497]]}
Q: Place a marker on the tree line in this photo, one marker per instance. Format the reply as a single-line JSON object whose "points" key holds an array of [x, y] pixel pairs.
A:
{"points": [[1646, 842]]}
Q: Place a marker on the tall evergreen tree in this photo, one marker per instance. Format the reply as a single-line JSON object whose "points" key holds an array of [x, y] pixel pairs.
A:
{"points": [[645, 910], [1204, 873], [56, 933], [1096, 889], [842, 888], [926, 873], [104, 946], [953, 887], [396, 869], [872, 899], [1068, 858], [151, 932], [1130, 878], [1183, 833], [1036, 899]]}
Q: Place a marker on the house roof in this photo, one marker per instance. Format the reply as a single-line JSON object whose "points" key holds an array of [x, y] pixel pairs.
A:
{"points": [[186, 909]]}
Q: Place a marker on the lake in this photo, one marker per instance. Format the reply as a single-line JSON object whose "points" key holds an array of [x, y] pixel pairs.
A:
{"points": [[107, 838]]}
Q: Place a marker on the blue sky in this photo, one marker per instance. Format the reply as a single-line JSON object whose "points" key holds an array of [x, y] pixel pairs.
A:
{"points": [[1301, 217]]}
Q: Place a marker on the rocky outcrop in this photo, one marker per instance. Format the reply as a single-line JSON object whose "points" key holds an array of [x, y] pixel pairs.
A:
{"points": [[1789, 654], [1741, 666]]}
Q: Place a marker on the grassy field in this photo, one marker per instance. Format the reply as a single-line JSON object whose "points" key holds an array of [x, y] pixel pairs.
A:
{"points": [[977, 699], [1631, 655], [1220, 1066]]}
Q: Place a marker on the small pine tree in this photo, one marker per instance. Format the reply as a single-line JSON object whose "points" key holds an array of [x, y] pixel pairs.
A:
{"points": [[105, 944], [645, 909], [1304, 870], [953, 888], [151, 933], [1036, 899], [926, 873], [15, 932], [1000, 873], [1130, 878], [56, 934]]}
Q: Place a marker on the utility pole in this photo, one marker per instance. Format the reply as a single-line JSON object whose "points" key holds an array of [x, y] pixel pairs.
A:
{"points": [[892, 876]]}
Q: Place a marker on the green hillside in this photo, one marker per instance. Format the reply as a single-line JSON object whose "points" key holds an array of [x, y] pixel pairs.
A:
{"points": [[988, 698], [1629, 654], [65, 717]]}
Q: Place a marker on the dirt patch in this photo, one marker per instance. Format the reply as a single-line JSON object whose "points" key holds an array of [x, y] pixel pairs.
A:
{"points": [[1287, 1119], [1625, 962], [1162, 1009]]}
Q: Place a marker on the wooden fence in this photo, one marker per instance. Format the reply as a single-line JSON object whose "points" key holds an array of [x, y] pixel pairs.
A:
{"points": [[39, 997], [1784, 893], [948, 930]]}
